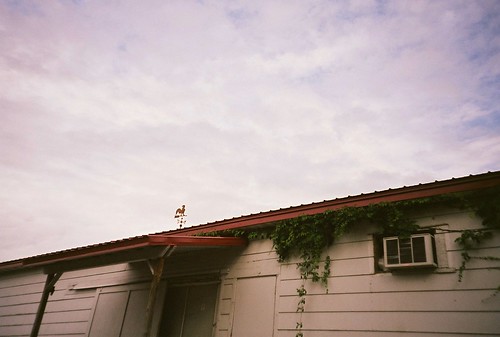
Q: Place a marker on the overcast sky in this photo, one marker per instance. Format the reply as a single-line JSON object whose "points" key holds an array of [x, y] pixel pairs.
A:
{"points": [[115, 113]]}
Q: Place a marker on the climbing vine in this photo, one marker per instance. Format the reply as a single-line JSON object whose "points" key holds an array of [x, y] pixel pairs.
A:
{"points": [[309, 236], [486, 205]]}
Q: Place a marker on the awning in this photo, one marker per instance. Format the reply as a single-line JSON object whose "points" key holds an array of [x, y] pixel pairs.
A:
{"points": [[151, 248], [140, 248]]}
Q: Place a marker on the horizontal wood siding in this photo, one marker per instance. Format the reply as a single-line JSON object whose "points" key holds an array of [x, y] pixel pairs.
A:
{"points": [[69, 308], [361, 302], [19, 297], [431, 323]]}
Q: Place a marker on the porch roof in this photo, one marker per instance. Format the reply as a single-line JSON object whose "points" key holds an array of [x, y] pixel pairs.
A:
{"points": [[138, 248]]}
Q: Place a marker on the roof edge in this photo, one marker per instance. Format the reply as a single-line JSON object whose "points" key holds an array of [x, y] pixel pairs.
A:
{"points": [[185, 236], [454, 185], [121, 246]]}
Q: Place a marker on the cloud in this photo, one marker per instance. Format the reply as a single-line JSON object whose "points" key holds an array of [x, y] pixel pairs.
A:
{"points": [[114, 114]]}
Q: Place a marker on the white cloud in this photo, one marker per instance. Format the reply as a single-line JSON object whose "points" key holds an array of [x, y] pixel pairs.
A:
{"points": [[113, 114]]}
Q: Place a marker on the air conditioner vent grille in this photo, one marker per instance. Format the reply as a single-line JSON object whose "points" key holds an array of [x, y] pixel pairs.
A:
{"points": [[414, 251]]}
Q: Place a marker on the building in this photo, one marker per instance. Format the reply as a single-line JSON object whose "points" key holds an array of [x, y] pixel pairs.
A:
{"points": [[379, 280]]}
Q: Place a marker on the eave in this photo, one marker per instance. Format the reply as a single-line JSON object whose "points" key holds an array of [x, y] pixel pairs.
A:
{"points": [[454, 185], [139, 248]]}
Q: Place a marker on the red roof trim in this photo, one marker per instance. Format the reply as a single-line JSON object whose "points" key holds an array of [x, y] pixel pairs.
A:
{"points": [[199, 241], [181, 237], [454, 185], [124, 245]]}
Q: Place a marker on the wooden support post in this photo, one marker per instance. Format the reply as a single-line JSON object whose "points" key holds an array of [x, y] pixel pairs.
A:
{"points": [[157, 269], [47, 290]]}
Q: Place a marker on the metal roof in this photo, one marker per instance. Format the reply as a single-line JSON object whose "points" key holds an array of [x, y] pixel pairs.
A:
{"points": [[138, 248], [453, 185], [143, 247]]}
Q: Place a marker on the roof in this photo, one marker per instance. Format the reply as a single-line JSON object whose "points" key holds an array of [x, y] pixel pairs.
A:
{"points": [[138, 248], [453, 185], [148, 246]]}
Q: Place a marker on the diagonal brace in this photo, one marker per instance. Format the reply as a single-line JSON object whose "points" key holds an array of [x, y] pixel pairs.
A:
{"points": [[48, 289]]}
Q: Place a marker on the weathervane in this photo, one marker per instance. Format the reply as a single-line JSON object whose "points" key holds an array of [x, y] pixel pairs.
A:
{"points": [[180, 216]]}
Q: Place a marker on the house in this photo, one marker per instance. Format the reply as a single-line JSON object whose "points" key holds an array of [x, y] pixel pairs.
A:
{"points": [[420, 260]]}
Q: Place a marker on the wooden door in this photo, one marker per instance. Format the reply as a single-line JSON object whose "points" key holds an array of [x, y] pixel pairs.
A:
{"points": [[120, 311], [254, 307], [109, 313]]}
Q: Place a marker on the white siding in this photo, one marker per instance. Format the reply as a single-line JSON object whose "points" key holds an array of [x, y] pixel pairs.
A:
{"points": [[19, 297], [69, 309], [362, 302]]}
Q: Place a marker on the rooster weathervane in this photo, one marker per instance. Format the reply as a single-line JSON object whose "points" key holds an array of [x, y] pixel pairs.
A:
{"points": [[180, 216]]}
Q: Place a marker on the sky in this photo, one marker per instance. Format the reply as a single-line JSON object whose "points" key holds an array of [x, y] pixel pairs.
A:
{"points": [[115, 113]]}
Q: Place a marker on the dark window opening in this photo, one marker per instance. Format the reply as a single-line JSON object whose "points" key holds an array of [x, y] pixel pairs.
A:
{"points": [[189, 311]]}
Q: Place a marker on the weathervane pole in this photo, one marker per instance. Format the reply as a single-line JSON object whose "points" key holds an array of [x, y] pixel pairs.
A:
{"points": [[180, 215]]}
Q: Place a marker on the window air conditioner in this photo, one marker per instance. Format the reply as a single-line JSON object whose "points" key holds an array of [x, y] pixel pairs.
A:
{"points": [[418, 250]]}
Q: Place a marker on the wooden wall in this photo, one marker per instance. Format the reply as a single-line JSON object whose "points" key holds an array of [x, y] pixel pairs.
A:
{"points": [[257, 291], [75, 303], [362, 301], [69, 309]]}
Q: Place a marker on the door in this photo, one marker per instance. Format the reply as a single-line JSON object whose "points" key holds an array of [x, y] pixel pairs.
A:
{"points": [[120, 311], [254, 307], [109, 313], [189, 311]]}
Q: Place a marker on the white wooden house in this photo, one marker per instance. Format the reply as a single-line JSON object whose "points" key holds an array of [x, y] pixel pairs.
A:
{"points": [[179, 284]]}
